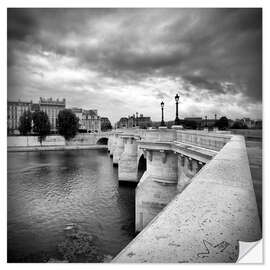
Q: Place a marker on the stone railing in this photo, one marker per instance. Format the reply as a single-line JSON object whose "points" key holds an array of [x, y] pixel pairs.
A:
{"points": [[207, 220], [209, 140], [214, 141]]}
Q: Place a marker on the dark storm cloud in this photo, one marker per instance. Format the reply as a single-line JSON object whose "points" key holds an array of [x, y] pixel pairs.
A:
{"points": [[203, 83], [218, 50], [223, 45], [21, 23]]}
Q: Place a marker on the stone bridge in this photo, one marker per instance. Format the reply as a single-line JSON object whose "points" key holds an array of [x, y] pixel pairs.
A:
{"points": [[195, 200]]}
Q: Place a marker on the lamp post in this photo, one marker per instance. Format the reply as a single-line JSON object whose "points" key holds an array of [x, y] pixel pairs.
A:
{"points": [[162, 124], [136, 119], [177, 120]]}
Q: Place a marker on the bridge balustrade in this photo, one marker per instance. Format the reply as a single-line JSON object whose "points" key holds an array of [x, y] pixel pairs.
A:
{"points": [[213, 141]]}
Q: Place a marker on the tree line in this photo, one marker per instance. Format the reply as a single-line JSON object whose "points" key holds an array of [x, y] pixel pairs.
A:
{"points": [[38, 122]]}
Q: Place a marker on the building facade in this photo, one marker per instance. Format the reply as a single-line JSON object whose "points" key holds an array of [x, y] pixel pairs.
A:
{"points": [[134, 121], [52, 108], [91, 121], [122, 123], [15, 109], [79, 113], [144, 121]]}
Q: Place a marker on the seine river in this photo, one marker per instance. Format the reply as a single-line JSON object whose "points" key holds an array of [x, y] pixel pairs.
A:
{"points": [[67, 205]]}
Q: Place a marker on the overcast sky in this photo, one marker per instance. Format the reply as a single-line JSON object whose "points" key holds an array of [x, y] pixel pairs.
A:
{"points": [[123, 61]]}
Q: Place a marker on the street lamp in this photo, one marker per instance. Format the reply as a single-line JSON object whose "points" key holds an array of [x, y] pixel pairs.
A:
{"points": [[177, 120], [136, 119], [162, 124]]}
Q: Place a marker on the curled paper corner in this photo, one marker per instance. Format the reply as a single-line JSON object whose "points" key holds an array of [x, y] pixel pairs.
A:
{"points": [[250, 252]]}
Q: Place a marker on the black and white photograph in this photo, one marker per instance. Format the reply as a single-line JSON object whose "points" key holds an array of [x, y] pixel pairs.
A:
{"points": [[134, 134]]}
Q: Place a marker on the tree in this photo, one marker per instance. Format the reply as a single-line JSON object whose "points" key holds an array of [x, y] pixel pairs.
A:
{"points": [[239, 125], [106, 125], [25, 123], [41, 125], [189, 124], [222, 123], [67, 124]]}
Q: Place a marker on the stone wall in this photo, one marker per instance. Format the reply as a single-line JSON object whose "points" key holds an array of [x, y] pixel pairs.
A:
{"points": [[24, 141], [53, 140]]}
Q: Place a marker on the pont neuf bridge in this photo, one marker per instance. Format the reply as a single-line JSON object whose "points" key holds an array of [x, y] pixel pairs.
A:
{"points": [[195, 200]]}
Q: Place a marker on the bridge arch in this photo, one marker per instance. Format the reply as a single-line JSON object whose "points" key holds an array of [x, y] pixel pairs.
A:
{"points": [[102, 141], [142, 166]]}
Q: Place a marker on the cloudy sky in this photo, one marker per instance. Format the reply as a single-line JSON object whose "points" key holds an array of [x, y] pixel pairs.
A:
{"points": [[123, 61]]}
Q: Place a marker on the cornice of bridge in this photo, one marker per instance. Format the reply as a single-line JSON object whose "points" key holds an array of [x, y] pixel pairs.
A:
{"points": [[192, 151]]}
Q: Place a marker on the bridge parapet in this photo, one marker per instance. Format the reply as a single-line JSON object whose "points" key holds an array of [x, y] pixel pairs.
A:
{"points": [[206, 221], [163, 135], [209, 140]]}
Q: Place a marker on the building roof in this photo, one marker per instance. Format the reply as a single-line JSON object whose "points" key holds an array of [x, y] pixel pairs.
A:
{"points": [[76, 110], [51, 102], [19, 102], [90, 112], [193, 118], [123, 119]]}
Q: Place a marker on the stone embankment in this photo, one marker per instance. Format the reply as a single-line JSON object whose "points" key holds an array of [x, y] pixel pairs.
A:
{"points": [[55, 142], [54, 148]]}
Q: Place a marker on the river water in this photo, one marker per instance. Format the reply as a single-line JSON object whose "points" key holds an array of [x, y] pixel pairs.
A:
{"points": [[49, 191]]}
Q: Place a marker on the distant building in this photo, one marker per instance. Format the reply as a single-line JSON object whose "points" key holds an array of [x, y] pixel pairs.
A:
{"points": [[122, 123], [16, 108], [131, 121], [206, 122], [248, 122], [143, 121], [231, 122], [88, 119], [14, 111], [134, 121], [79, 113], [52, 108], [105, 123], [197, 120], [91, 121], [258, 124], [253, 124], [35, 107]]}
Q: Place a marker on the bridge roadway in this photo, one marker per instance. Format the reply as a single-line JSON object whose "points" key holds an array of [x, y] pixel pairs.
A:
{"points": [[194, 202]]}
